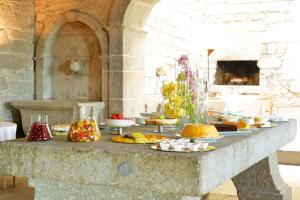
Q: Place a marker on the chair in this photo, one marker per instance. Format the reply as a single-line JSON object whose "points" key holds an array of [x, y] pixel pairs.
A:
{"points": [[268, 103]]}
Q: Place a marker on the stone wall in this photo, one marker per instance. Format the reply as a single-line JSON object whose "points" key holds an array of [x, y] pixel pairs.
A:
{"points": [[16, 50], [252, 27], [171, 32], [262, 26], [262, 30]]}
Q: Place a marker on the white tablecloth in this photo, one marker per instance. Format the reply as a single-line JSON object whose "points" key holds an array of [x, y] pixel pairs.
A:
{"points": [[7, 131], [247, 105]]}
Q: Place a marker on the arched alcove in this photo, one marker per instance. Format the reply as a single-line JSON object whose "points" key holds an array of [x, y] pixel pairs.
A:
{"points": [[44, 53], [76, 69]]}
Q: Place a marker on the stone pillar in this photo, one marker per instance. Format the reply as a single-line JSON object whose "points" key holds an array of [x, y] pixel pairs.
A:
{"points": [[133, 71], [126, 70], [115, 78], [262, 181]]}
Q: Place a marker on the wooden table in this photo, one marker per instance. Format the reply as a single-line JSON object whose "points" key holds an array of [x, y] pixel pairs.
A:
{"points": [[62, 170]]}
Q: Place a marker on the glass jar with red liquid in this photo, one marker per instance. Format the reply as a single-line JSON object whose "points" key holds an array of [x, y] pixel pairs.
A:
{"points": [[39, 130]]}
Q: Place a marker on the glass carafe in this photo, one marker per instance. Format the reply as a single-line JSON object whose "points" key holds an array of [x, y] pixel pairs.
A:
{"points": [[39, 130]]}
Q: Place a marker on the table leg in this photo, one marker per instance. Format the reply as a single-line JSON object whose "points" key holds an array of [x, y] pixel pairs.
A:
{"points": [[14, 181], [4, 182], [160, 128], [262, 181]]}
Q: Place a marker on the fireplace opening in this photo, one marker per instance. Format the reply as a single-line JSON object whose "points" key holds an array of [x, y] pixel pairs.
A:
{"points": [[237, 72]]}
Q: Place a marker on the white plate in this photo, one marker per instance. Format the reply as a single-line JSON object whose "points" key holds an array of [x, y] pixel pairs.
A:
{"points": [[120, 122], [209, 148]]}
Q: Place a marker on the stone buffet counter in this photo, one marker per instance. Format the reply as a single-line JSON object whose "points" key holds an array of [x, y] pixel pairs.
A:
{"points": [[106, 170]]}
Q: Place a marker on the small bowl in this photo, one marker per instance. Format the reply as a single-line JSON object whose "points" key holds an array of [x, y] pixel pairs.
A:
{"points": [[178, 147], [203, 145], [172, 143], [192, 146], [164, 146]]}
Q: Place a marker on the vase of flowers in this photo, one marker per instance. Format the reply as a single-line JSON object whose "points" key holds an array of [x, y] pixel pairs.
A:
{"points": [[185, 98]]}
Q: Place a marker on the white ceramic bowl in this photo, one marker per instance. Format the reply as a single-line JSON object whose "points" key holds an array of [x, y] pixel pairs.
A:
{"points": [[178, 146], [202, 145], [165, 146]]}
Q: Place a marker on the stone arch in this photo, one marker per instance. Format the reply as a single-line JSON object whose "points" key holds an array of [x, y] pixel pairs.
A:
{"points": [[47, 40], [127, 36], [137, 13]]}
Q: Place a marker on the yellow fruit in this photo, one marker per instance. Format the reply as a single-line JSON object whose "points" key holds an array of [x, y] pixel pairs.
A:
{"points": [[138, 135]]}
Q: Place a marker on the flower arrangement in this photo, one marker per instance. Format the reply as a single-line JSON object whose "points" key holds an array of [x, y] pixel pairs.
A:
{"points": [[180, 96]]}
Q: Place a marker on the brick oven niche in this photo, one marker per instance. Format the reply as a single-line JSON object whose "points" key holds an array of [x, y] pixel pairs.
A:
{"points": [[237, 72]]}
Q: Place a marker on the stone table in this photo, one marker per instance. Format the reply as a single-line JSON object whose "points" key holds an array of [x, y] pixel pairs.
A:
{"points": [[107, 171]]}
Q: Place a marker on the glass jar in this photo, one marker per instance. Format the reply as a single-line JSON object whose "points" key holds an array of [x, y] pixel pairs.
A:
{"points": [[84, 127], [39, 130]]}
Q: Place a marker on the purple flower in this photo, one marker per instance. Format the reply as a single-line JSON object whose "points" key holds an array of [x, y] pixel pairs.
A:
{"points": [[189, 76], [183, 60]]}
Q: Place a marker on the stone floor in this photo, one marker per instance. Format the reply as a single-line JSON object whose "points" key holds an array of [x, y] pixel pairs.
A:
{"points": [[291, 175]]}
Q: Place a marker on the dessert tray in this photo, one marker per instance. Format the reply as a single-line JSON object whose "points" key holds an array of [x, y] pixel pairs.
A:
{"points": [[205, 138], [183, 150], [182, 145]]}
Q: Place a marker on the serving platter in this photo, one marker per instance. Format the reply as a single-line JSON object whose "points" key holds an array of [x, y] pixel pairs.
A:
{"points": [[205, 139], [184, 150]]}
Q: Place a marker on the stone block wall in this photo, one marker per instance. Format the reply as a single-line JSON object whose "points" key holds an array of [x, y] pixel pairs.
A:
{"points": [[16, 50], [171, 30], [265, 29]]}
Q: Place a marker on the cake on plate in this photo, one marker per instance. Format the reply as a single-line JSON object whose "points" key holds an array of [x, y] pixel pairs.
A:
{"points": [[200, 131]]}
